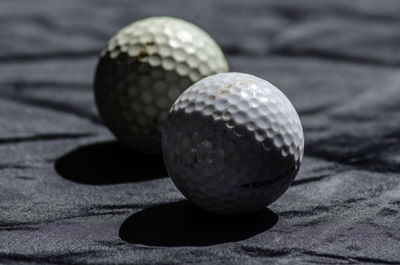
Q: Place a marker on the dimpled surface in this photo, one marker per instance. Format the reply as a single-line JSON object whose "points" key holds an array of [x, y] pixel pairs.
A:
{"points": [[143, 69], [233, 143]]}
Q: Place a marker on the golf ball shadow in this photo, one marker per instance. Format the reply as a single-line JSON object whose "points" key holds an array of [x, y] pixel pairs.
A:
{"points": [[184, 224], [109, 163]]}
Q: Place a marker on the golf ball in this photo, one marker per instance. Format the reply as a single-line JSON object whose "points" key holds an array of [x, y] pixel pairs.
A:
{"points": [[143, 69], [233, 143]]}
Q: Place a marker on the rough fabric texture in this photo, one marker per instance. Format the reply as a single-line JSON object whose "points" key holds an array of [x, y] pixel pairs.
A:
{"points": [[70, 194]]}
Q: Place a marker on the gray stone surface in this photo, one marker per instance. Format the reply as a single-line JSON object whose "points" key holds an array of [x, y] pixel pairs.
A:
{"points": [[70, 194]]}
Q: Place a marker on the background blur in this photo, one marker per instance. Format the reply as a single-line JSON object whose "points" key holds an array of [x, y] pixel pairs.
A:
{"points": [[70, 194]]}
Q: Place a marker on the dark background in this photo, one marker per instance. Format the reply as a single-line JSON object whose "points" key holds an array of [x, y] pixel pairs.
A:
{"points": [[70, 194]]}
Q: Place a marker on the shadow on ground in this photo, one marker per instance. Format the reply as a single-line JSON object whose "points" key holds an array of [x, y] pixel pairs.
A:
{"points": [[109, 163], [183, 224]]}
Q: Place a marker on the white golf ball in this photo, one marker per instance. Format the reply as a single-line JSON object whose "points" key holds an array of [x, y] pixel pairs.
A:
{"points": [[143, 69], [233, 143]]}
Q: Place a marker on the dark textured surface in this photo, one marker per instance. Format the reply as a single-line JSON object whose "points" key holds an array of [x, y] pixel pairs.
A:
{"points": [[69, 194]]}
